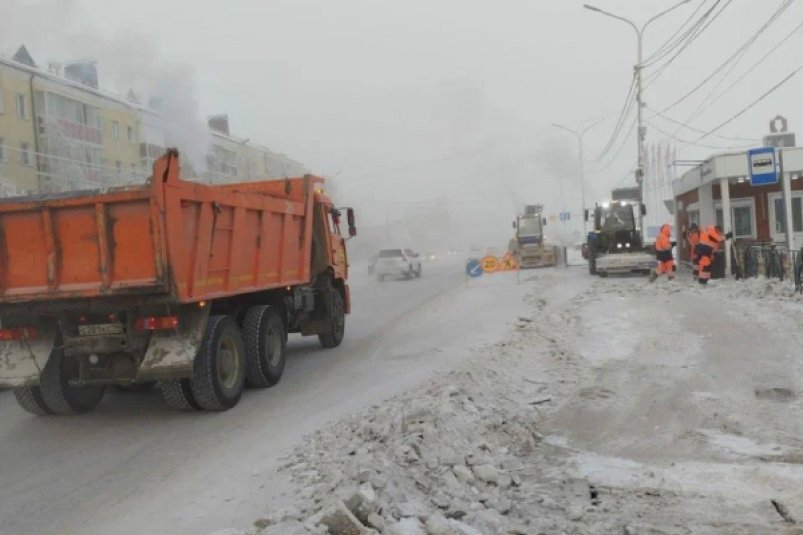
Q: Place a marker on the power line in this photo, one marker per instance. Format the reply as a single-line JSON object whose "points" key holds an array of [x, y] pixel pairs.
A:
{"points": [[620, 122], [698, 130], [697, 31], [755, 65], [621, 147], [672, 43], [687, 142], [784, 5], [749, 106], [707, 100]]}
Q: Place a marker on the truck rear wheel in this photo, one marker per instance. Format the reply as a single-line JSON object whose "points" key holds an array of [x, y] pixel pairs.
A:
{"points": [[177, 393], [59, 395], [30, 398], [337, 327], [218, 376], [265, 340]]}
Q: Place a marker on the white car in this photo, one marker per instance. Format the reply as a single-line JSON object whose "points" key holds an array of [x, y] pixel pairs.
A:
{"points": [[397, 263]]}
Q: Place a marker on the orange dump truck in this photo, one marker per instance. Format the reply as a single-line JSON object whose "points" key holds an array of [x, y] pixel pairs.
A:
{"points": [[189, 285]]}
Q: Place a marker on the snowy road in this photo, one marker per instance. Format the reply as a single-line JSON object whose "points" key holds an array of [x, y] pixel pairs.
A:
{"points": [[679, 407], [135, 466]]}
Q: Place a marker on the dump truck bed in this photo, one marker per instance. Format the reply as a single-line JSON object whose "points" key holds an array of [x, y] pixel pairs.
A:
{"points": [[180, 240]]}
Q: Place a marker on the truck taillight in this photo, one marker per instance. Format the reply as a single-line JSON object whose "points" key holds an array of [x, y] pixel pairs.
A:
{"points": [[157, 323], [18, 333]]}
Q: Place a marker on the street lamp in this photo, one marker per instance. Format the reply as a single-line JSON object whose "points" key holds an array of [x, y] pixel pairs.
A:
{"points": [[580, 135], [642, 131]]}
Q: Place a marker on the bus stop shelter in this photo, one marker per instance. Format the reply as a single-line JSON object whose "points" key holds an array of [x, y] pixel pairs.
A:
{"points": [[721, 190]]}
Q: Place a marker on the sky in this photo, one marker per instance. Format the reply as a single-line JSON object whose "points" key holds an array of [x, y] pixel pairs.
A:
{"points": [[447, 104]]}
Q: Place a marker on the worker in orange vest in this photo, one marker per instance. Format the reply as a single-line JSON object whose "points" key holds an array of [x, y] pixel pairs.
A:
{"points": [[693, 238], [711, 241], [663, 253]]}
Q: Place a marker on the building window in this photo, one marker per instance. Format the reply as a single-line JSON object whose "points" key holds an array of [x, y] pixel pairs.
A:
{"points": [[22, 106], [131, 135], [2, 150], [115, 130], [694, 217], [2, 103], [27, 158], [741, 218], [780, 217]]}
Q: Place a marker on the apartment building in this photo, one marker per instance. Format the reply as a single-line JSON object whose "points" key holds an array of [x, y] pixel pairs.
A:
{"points": [[59, 131]]}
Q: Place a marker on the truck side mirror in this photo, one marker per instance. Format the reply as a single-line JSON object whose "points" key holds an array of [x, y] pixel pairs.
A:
{"points": [[585, 213], [643, 209], [351, 222]]}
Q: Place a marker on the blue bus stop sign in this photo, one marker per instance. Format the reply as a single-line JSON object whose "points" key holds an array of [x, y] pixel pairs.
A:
{"points": [[473, 268], [761, 163]]}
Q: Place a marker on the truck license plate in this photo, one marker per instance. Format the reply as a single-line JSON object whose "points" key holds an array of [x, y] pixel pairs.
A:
{"points": [[99, 329]]}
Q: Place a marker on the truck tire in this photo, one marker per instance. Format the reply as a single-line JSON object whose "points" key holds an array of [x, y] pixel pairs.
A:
{"points": [[177, 394], [337, 329], [59, 395], [218, 376], [30, 398], [265, 340]]}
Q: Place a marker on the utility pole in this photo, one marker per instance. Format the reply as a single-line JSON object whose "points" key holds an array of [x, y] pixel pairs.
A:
{"points": [[639, 67], [581, 163]]}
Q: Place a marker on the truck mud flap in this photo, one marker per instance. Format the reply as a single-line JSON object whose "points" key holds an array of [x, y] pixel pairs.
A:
{"points": [[21, 361], [172, 353]]}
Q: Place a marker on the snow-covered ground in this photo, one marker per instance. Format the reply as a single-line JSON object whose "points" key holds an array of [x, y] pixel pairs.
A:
{"points": [[613, 407], [548, 402]]}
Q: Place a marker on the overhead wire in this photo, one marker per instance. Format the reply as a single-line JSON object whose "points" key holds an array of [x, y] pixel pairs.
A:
{"points": [[618, 152], [748, 107], [784, 5], [705, 145], [707, 100], [693, 129], [674, 41], [707, 19], [755, 65], [620, 122]]}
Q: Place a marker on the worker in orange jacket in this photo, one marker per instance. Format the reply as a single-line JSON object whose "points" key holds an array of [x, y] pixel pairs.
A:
{"points": [[711, 241], [663, 253], [693, 238]]}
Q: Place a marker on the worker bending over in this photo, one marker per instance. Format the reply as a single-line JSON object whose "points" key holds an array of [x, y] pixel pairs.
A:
{"points": [[693, 238], [711, 241]]}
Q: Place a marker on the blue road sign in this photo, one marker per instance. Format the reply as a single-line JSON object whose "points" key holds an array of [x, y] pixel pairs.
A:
{"points": [[473, 268], [761, 163]]}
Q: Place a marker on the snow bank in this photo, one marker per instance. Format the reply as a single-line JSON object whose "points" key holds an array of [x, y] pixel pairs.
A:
{"points": [[453, 457]]}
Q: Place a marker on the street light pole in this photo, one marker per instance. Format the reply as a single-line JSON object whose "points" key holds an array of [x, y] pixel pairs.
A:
{"points": [[579, 134], [639, 67]]}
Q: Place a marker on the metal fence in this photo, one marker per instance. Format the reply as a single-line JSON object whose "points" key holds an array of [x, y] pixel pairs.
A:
{"points": [[768, 260]]}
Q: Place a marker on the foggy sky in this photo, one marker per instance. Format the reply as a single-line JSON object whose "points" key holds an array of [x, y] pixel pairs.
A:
{"points": [[425, 100]]}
